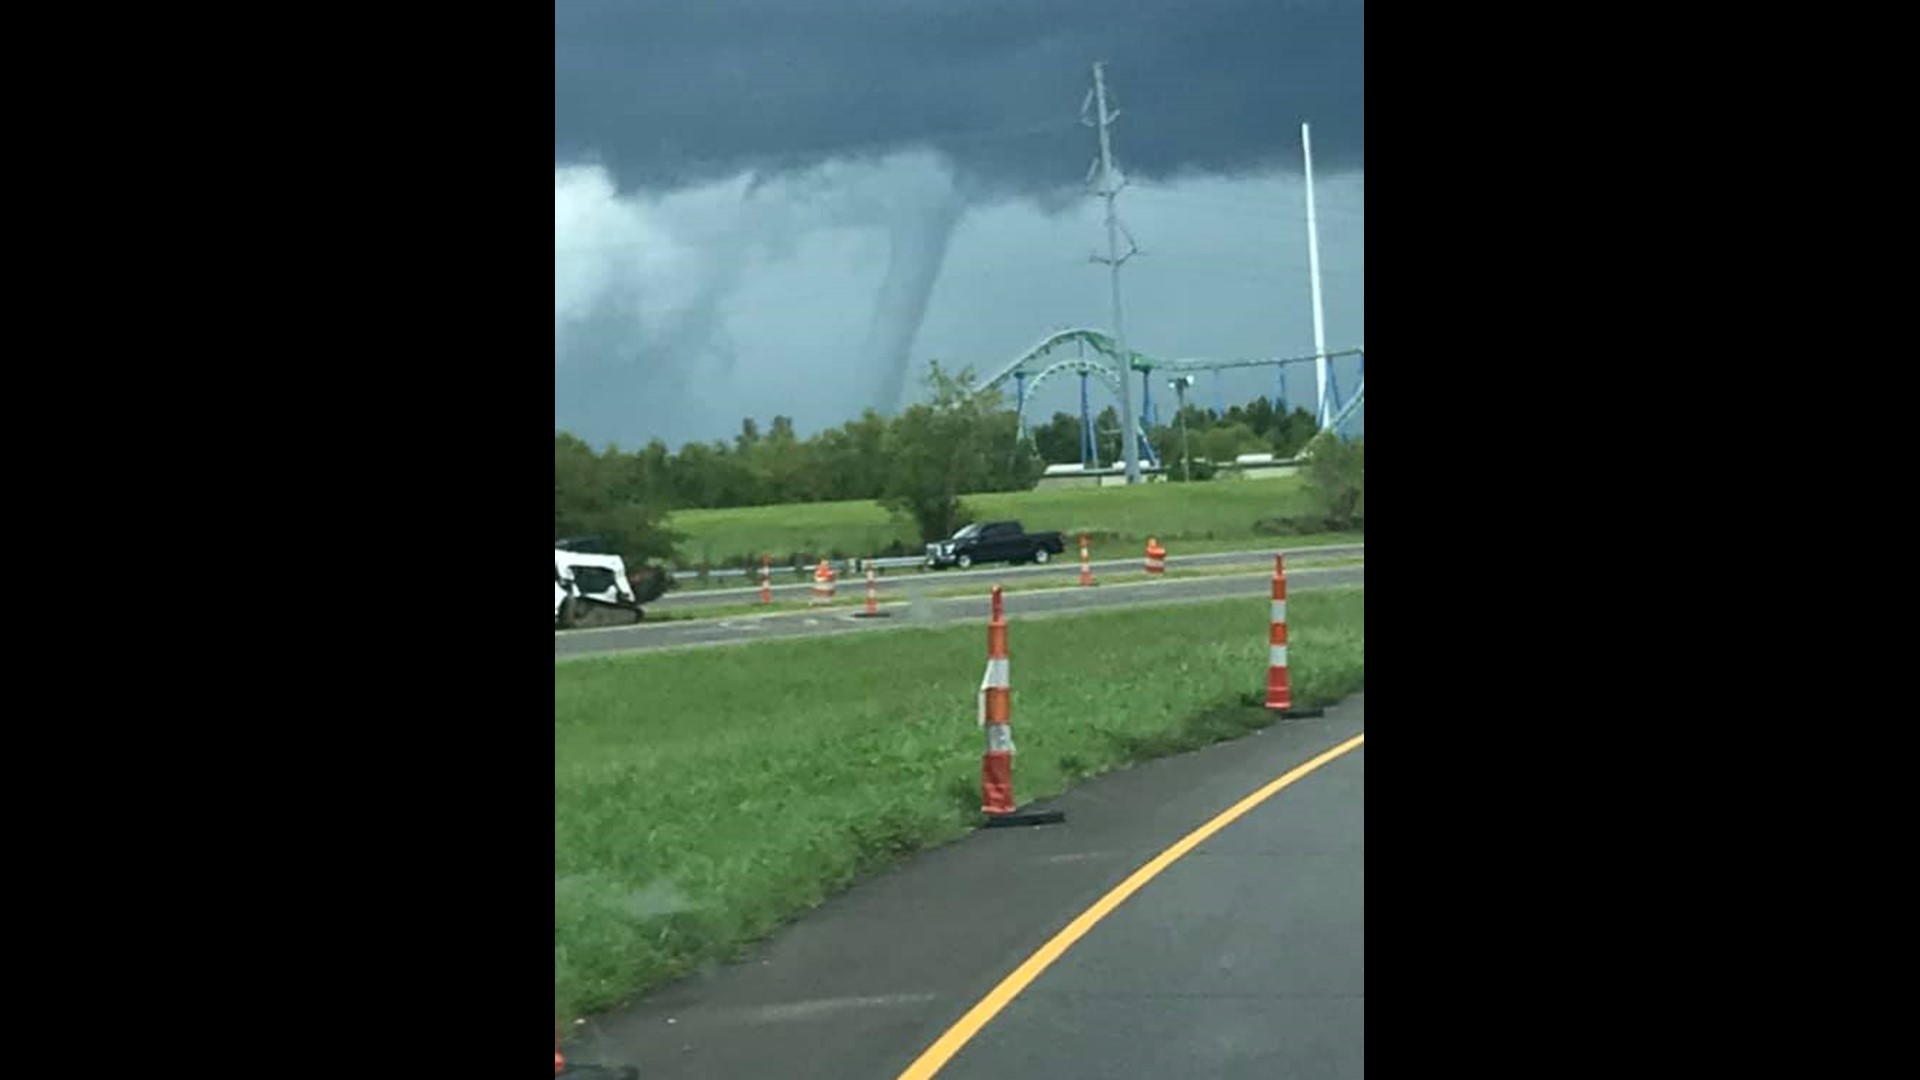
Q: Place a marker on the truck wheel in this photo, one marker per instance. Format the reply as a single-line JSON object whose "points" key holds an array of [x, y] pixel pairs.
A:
{"points": [[569, 614], [964, 561], [1040, 555]]}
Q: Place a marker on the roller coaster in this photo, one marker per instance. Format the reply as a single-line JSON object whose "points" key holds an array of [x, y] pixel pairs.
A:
{"points": [[1040, 363]]}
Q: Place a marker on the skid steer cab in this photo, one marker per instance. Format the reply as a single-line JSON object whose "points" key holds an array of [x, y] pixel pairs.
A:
{"points": [[591, 589]]}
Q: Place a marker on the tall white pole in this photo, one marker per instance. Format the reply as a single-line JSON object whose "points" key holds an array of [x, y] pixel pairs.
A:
{"points": [[1322, 413]]}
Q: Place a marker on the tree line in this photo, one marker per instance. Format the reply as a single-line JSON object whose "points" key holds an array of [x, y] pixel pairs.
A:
{"points": [[1256, 427], [918, 463]]}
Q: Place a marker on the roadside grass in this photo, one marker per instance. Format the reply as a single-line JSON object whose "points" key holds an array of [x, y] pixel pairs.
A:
{"points": [[1214, 516], [703, 798]]}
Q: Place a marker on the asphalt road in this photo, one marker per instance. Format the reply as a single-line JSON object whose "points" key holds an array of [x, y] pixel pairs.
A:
{"points": [[1066, 568], [1243, 958], [933, 612]]}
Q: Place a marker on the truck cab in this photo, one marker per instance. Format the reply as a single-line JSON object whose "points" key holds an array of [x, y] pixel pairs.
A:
{"points": [[992, 541]]}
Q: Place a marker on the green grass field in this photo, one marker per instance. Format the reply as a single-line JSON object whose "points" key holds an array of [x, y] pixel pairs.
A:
{"points": [[1215, 516], [704, 797]]}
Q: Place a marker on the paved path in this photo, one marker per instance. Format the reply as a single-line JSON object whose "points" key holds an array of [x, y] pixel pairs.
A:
{"points": [[1243, 958], [925, 612]]}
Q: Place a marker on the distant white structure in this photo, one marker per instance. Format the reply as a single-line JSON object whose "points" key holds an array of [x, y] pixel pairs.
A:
{"points": [[1075, 475], [1261, 467]]}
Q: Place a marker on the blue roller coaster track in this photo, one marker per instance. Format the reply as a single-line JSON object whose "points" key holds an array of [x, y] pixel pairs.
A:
{"points": [[1034, 367]]}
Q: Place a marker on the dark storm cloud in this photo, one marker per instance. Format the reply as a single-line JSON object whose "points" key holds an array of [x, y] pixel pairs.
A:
{"points": [[667, 93]]}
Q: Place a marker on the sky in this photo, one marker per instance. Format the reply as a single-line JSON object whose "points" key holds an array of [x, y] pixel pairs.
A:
{"points": [[788, 207]]}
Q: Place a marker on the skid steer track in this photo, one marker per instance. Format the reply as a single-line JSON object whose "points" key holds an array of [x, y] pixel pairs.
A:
{"points": [[582, 614]]}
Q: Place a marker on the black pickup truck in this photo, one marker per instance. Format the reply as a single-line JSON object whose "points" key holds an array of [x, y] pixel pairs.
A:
{"points": [[994, 541]]}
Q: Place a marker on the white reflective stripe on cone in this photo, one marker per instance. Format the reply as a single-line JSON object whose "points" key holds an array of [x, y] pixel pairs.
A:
{"points": [[1278, 656], [997, 673], [999, 738], [1279, 611]]}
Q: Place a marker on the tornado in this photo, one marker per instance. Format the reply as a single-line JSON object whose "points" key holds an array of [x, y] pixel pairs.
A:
{"points": [[918, 236]]}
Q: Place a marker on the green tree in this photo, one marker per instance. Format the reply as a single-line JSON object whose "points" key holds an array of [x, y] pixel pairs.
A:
{"points": [[1224, 442], [1336, 478], [1058, 440], [1108, 435], [593, 496], [865, 475], [696, 476], [1290, 434], [650, 475], [1259, 416], [785, 468], [939, 449], [1013, 464]]}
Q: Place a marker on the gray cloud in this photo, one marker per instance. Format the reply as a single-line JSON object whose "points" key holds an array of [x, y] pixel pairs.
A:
{"points": [[666, 94], [1224, 275], [758, 237]]}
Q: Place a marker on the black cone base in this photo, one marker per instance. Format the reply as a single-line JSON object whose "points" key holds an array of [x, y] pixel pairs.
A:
{"points": [[1028, 816]]}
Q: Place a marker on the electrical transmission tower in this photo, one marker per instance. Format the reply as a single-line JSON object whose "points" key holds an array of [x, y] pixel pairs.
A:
{"points": [[1110, 184]]}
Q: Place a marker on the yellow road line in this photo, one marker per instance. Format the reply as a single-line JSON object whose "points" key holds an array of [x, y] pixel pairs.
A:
{"points": [[963, 1030]]}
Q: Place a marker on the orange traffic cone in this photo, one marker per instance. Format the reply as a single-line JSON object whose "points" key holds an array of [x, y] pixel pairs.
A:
{"points": [[996, 716], [1279, 679], [1279, 684], [873, 599]]}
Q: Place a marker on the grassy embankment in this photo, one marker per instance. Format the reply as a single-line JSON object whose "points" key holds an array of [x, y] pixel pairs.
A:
{"points": [[1223, 515], [702, 798]]}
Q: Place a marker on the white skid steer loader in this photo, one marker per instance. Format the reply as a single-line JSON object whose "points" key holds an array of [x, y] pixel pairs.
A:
{"points": [[591, 589]]}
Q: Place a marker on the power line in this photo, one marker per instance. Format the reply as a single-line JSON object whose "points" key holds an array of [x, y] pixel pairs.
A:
{"points": [[1262, 207]]}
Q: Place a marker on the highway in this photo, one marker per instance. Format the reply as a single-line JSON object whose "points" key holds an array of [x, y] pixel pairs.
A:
{"points": [[922, 611], [1065, 567], [1200, 915]]}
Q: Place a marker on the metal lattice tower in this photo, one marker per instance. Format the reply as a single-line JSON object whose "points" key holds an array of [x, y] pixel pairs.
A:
{"points": [[1110, 184]]}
